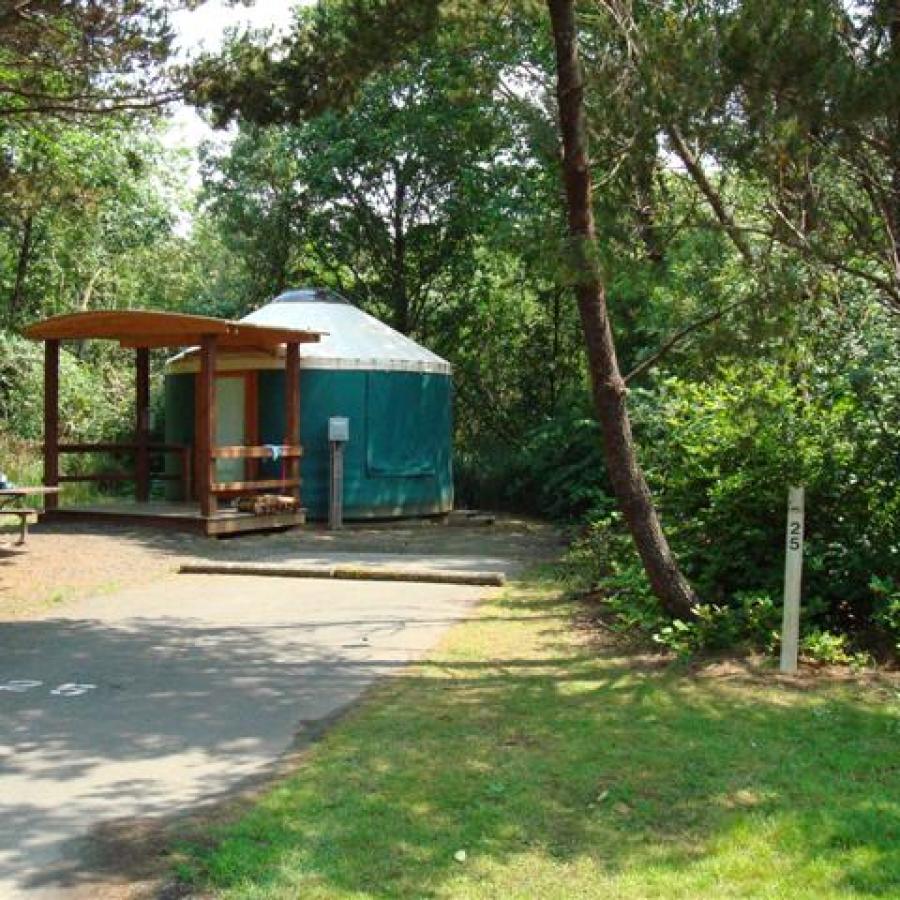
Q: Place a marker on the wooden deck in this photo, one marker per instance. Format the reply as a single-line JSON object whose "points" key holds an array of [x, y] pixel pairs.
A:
{"points": [[179, 516]]}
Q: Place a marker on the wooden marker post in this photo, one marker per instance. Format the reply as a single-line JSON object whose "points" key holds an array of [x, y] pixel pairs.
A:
{"points": [[793, 573], [336, 502]]}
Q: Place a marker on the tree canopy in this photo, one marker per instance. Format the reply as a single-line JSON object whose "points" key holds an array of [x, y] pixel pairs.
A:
{"points": [[67, 58]]}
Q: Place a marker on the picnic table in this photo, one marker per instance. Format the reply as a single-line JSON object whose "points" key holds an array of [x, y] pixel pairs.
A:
{"points": [[11, 499]]}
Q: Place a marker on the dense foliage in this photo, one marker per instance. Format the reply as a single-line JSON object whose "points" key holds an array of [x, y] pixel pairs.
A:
{"points": [[747, 204]]}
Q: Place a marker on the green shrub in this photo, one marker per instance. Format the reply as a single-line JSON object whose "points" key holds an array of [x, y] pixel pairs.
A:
{"points": [[720, 456], [830, 648], [886, 610], [96, 393], [96, 403], [20, 460], [22, 463], [556, 470]]}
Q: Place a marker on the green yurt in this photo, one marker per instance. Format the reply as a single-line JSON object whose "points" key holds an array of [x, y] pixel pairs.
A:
{"points": [[396, 395]]}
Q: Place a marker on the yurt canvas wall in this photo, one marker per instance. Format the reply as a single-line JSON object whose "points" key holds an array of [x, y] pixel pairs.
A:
{"points": [[396, 394]]}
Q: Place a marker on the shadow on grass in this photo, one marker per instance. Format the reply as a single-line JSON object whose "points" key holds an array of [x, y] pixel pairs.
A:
{"points": [[573, 775]]}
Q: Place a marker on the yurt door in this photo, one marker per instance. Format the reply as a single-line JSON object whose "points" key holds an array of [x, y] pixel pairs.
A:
{"points": [[231, 404]]}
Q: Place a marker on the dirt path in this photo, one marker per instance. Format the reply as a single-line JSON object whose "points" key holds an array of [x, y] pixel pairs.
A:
{"points": [[64, 562]]}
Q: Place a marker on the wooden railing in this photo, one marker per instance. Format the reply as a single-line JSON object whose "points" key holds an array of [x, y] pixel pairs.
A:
{"points": [[262, 451], [182, 450]]}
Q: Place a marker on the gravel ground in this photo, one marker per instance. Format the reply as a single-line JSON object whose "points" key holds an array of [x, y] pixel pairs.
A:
{"points": [[65, 561]]}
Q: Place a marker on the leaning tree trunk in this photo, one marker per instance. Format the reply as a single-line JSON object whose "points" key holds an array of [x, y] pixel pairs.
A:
{"points": [[666, 579], [893, 215]]}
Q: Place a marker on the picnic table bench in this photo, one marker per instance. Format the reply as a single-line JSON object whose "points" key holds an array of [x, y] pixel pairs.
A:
{"points": [[11, 499]]}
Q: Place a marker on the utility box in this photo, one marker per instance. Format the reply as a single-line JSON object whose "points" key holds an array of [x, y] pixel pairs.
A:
{"points": [[338, 435], [339, 429]]}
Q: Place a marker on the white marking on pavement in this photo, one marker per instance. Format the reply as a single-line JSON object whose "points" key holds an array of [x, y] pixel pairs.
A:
{"points": [[19, 685], [71, 689]]}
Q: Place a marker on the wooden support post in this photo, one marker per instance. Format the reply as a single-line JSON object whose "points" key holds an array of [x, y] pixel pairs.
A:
{"points": [[142, 425], [206, 425], [251, 423], [292, 411], [51, 420]]}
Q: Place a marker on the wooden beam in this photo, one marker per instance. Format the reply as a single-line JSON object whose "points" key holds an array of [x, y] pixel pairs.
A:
{"points": [[96, 476], [243, 523], [292, 411], [124, 447], [51, 420], [158, 341], [266, 484], [206, 425], [99, 447], [149, 328], [258, 452], [125, 323], [142, 425], [233, 343], [115, 476]]}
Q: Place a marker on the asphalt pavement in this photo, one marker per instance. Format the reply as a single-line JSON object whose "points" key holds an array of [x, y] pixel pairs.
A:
{"points": [[146, 702]]}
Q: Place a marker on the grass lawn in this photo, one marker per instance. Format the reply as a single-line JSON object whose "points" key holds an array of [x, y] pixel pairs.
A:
{"points": [[565, 769]]}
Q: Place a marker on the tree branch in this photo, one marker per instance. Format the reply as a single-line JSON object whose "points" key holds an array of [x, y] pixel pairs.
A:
{"points": [[64, 109], [713, 198], [677, 337]]}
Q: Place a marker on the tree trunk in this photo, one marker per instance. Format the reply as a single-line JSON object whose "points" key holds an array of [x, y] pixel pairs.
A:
{"points": [[88, 293], [632, 492], [398, 257], [894, 203], [18, 291]]}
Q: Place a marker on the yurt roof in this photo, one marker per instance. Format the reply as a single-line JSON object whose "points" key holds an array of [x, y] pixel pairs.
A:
{"points": [[350, 338]]}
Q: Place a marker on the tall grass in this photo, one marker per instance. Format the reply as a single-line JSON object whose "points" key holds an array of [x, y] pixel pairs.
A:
{"points": [[22, 463]]}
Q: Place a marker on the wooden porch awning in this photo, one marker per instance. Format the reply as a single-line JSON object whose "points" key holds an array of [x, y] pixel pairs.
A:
{"points": [[145, 328]]}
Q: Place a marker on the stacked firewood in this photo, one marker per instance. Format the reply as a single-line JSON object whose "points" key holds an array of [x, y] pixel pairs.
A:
{"points": [[266, 504]]}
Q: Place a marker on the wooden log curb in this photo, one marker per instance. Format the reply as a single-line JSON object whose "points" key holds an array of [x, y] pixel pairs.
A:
{"points": [[345, 573]]}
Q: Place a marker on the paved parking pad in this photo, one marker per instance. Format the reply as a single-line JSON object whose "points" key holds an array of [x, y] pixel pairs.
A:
{"points": [[150, 700]]}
